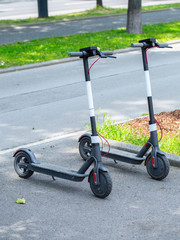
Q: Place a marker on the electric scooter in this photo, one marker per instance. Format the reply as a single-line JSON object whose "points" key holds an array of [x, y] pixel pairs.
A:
{"points": [[25, 162], [156, 162]]}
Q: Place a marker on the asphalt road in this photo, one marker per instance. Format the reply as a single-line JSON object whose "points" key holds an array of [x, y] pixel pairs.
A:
{"points": [[37, 31], [42, 103], [138, 207], [18, 9]]}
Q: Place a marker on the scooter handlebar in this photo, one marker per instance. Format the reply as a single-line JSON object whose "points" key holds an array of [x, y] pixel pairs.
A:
{"points": [[107, 52], [75, 54], [81, 54], [163, 45], [160, 45], [137, 45]]}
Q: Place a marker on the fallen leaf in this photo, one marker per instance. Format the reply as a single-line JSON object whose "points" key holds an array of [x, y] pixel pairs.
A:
{"points": [[21, 200]]}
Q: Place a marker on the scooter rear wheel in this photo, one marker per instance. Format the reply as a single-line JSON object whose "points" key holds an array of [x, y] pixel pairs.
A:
{"points": [[22, 158], [104, 188], [85, 147], [162, 169]]}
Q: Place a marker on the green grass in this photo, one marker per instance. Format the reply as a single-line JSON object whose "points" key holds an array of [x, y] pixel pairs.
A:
{"points": [[98, 11], [144, 114], [122, 133], [47, 49], [161, 6]]}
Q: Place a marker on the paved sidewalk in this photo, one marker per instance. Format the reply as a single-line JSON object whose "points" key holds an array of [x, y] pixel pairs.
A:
{"points": [[64, 28], [138, 207]]}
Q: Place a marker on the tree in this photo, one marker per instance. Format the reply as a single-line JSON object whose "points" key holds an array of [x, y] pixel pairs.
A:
{"points": [[134, 21], [42, 8], [99, 3]]}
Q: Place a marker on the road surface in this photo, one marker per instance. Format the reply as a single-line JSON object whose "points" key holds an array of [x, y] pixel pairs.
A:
{"points": [[19, 9]]}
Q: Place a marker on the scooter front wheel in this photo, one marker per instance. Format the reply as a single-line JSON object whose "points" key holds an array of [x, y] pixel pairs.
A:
{"points": [[162, 169], [20, 161], [85, 147], [105, 186]]}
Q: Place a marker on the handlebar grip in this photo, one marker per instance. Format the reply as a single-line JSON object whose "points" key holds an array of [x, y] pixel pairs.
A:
{"points": [[162, 45], [75, 54], [137, 45], [107, 52]]}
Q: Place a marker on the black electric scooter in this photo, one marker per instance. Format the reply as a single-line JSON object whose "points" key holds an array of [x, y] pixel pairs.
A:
{"points": [[156, 162], [25, 162]]}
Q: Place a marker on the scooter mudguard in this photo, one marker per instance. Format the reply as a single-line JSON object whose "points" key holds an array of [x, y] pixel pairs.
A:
{"points": [[29, 152], [154, 153], [84, 135], [96, 169]]}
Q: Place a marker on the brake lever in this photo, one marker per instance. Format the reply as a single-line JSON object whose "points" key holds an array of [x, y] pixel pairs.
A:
{"points": [[105, 56], [110, 56], [102, 55], [160, 46]]}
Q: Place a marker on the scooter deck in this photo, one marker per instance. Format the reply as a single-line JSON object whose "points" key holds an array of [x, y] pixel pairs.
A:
{"points": [[56, 171], [123, 156]]}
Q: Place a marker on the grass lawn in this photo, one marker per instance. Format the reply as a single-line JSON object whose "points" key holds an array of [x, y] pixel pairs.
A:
{"points": [[47, 49], [169, 143], [126, 133]]}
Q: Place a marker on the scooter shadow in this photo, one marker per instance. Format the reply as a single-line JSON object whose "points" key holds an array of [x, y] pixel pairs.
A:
{"points": [[127, 169], [48, 185]]}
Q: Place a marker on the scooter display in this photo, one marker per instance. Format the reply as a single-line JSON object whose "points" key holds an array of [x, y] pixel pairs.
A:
{"points": [[156, 162], [25, 162]]}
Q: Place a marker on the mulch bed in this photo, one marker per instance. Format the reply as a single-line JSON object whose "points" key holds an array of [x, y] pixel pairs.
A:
{"points": [[169, 122]]}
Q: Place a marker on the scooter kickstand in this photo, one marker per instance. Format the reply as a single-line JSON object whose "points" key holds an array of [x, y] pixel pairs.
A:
{"points": [[53, 178], [115, 161]]}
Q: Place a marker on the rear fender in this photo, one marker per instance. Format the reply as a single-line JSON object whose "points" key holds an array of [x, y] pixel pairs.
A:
{"points": [[29, 153]]}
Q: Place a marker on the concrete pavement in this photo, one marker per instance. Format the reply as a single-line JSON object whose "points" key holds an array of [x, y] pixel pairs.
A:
{"points": [[63, 28], [138, 207]]}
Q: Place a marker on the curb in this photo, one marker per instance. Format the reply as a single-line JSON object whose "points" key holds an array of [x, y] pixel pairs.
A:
{"points": [[174, 160], [66, 60], [54, 62], [38, 65]]}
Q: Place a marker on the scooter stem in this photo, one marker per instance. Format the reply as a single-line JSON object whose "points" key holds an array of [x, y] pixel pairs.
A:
{"points": [[148, 87]]}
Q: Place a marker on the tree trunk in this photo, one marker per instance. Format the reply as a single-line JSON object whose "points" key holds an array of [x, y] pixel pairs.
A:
{"points": [[134, 21], [99, 3], [42, 8]]}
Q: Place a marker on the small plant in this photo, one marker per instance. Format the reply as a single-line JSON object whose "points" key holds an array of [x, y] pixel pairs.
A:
{"points": [[125, 133], [144, 114]]}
